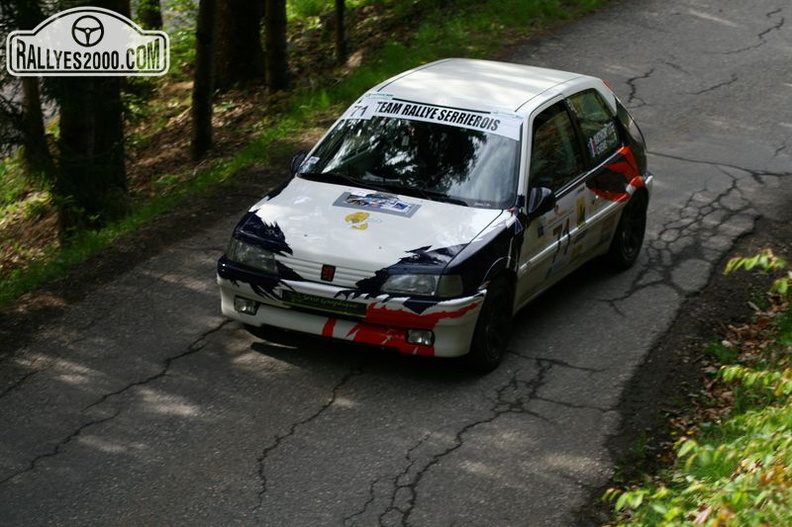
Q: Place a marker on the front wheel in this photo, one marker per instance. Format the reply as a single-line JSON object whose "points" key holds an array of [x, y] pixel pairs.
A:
{"points": [[629, 235], [493, 327]]}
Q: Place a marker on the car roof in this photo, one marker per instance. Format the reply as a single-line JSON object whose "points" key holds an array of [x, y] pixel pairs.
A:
{"points": [[479, 84]]}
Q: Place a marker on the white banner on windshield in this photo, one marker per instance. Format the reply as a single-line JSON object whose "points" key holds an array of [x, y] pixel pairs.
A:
{"points": [[380, 105]]}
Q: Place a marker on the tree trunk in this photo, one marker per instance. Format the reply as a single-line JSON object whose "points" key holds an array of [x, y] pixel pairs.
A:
{"points": [[35, 152], [275, 32], [91, 184], [203, 86], [341, 46], [238, 55], [150, 14]]}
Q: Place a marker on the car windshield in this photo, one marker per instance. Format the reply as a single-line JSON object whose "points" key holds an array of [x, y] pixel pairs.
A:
{"points": [[425, 159]]}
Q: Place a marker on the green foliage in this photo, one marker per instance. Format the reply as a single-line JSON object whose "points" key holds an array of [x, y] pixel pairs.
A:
{"points": [[721, 353], [309, 11], [740, 479], [771, 383], [740, 471], [180, 18], [19, 192], [299, 9], [136, 97], [13, 185], [766, 261]]}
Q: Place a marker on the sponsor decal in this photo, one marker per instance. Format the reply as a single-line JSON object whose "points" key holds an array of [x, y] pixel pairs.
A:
{"points": [[378, 201], [601, 142], [377, 105], [358, 220], [581, 211], [324, 304], [308, 164], [87, 41]]}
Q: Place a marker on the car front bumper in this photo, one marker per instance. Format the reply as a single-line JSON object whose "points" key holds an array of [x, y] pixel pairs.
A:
{"points": [[328, 311]]}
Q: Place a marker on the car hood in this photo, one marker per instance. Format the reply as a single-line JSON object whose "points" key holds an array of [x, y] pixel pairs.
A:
{"points": [[362, 229]]}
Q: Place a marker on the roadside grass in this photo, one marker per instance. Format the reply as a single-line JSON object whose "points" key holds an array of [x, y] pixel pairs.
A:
{"points": [[305, 9], [427, 31], [736, 468]]}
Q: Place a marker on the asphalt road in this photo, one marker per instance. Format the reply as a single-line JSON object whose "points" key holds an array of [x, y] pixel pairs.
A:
{"points": [[143, 406]]}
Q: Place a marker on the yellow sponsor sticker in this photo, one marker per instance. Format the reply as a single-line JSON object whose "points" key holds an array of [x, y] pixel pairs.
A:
{"points": [[358, 220]]}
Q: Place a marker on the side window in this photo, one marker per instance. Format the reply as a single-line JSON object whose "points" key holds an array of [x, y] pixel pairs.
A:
{"points": [[556, 158], [596, 122]]}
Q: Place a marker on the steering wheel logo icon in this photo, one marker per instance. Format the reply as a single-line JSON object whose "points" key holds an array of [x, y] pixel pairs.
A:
{"points": [[87, 31]]}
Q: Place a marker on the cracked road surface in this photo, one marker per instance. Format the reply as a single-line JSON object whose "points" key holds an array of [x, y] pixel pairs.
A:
{"points": [[141, 405]]}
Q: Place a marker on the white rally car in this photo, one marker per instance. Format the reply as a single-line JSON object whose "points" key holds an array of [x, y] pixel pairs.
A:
{"points": [[439, 204]]}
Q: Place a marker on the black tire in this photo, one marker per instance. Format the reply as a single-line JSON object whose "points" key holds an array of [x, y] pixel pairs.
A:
{"points": [[628, 238], [493, 327]]}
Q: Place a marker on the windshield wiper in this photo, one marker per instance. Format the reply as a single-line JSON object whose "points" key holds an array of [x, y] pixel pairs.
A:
{"points": [[431, 195], [333, 177], [434, 195]]}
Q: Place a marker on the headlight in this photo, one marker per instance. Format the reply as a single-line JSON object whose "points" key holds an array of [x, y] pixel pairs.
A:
{"points": [[444, 286], [251, 255]]}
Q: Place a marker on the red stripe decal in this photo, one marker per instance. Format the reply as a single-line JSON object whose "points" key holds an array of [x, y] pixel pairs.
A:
{"points": [[327, 330]]}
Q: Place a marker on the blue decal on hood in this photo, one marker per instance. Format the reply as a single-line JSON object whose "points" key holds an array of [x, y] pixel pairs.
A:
{"points": [[492, 253], [269, 236]]}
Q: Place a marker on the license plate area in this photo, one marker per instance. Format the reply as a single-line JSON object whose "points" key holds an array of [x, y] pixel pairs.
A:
{"points": [[333, 306]]}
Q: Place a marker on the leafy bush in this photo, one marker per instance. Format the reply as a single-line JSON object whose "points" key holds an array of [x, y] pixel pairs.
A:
{"points": [[766, 261], [738, 471]]}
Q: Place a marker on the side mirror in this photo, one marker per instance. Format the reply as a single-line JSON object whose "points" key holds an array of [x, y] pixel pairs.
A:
{"points": [[540, 201], [297, 161]]}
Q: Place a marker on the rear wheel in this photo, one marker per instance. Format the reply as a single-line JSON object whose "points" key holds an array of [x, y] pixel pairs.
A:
{"points": [[493, 327], [629, 235]]}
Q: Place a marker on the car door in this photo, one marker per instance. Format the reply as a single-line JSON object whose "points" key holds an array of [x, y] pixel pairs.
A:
{"points": [[552, 244]]}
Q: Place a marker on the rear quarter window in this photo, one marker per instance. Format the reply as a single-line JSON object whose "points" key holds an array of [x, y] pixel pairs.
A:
{"points": [[597, 124]]}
